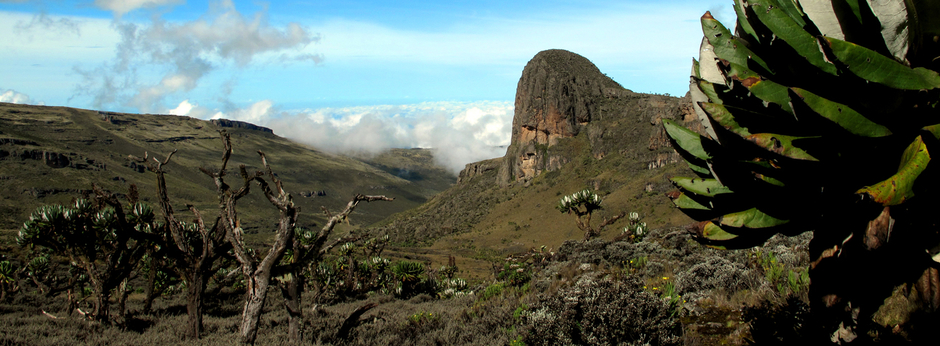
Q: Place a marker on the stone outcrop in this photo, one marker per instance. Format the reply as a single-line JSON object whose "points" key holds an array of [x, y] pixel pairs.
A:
{"points": [[50, 158], [561, 95], [557, 95], [239, 125], [475, 169]]}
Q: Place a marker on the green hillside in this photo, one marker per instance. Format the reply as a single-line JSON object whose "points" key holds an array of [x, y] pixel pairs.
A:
{"points": [[478, 220], [53, 154]]}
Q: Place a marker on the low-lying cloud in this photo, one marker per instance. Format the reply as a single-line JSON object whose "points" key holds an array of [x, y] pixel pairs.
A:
{"points": [[458, 132], [13, 96]]}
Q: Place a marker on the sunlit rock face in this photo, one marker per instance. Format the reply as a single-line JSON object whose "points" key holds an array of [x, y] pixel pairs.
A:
{"points": [[557, 95], [561, 95]]}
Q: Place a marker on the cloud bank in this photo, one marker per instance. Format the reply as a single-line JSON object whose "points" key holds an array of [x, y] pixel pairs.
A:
{"points": [[458, 132], [13, 96]]}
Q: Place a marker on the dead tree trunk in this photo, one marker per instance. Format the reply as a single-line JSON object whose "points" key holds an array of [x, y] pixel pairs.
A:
{"points": [[197, 286], [195, 250], [292, 290], [307, 251], [258, 273]]}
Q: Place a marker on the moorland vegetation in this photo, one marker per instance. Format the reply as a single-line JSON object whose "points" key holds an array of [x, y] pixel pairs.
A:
{"points": [[822, 192]]}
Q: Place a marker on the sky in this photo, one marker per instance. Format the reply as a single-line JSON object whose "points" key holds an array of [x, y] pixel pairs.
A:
{"points": [[342, 76]]}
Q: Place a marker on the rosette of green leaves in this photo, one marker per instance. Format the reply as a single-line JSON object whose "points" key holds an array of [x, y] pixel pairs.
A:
{"points": [[813, 115], [584, 198]]}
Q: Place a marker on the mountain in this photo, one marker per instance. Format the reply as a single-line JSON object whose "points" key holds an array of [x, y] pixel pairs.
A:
{"points": [[573, 128], [54, 154]]}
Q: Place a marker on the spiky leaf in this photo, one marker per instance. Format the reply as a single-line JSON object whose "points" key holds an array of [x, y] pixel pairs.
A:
{"points": [[683, 201], [704, 187], [874, 67], [900, 187], [726, 46], [778, 19], [686, 139], [781, 144], [751, 218], [842, 115], [713, 232]]}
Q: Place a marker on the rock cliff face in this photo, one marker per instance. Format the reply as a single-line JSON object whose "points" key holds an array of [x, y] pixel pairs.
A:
{"points": [[477, 169], [557, 95], [239, 125], [575, 122]]}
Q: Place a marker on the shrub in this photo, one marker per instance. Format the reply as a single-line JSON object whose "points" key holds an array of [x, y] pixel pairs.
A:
{"points": [[716, 273], [602, 312]]}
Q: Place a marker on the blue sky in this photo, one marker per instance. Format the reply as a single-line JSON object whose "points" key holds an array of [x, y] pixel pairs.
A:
{"points": [[436, 74]]}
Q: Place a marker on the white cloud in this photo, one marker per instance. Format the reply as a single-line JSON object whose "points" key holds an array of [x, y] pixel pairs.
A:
{"points": [[182, 54], [459, 132], [122, 7], [42, 21], [183, 109], [258, 113], [13, 96]]}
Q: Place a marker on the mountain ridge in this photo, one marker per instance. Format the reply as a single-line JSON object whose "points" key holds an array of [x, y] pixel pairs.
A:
{"points": [[53, 154]]}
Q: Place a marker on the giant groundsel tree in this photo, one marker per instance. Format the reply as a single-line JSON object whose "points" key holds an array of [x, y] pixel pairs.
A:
{"points": [[822, 116]]}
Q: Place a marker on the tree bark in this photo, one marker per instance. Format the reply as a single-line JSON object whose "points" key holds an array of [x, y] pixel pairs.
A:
{"points": [[197, 284], [295, 316], [292, 291], [102, 304], [149, 290], [254, 304]]}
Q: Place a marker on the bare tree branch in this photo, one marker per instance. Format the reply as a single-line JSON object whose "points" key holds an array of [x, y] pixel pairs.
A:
{"points": [[608, 222]]}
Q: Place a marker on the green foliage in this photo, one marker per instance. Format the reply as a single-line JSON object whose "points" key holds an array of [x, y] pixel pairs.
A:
{"points": [[786, 280], [515, 273], [520, 311], [410, 278], [584, 199], [636, 230], [636, 264], [821, 120], [423, 317], [9, 282], [102, 240], [492, 290], [581, 204], [776, 115]]}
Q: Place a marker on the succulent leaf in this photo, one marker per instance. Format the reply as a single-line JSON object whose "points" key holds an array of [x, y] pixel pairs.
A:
{"points": [[726, 45], [686, 139], [786, 25], [900, 187], [724, 118], [872, 66], [683, 201], [781, 144], [713, 232], [842, 115], [751, 218], [704, 187]]}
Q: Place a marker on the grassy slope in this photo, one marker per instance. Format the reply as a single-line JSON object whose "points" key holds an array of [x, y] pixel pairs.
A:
{"points": [[478, 222], [84, 136]]}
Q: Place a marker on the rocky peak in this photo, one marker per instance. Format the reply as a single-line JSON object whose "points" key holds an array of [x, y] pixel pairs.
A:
{"points": [[557, 95]]}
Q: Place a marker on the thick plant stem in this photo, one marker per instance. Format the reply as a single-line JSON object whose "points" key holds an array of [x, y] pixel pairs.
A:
{"points": [[194, 305], [251, 314], [295, 315]]}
